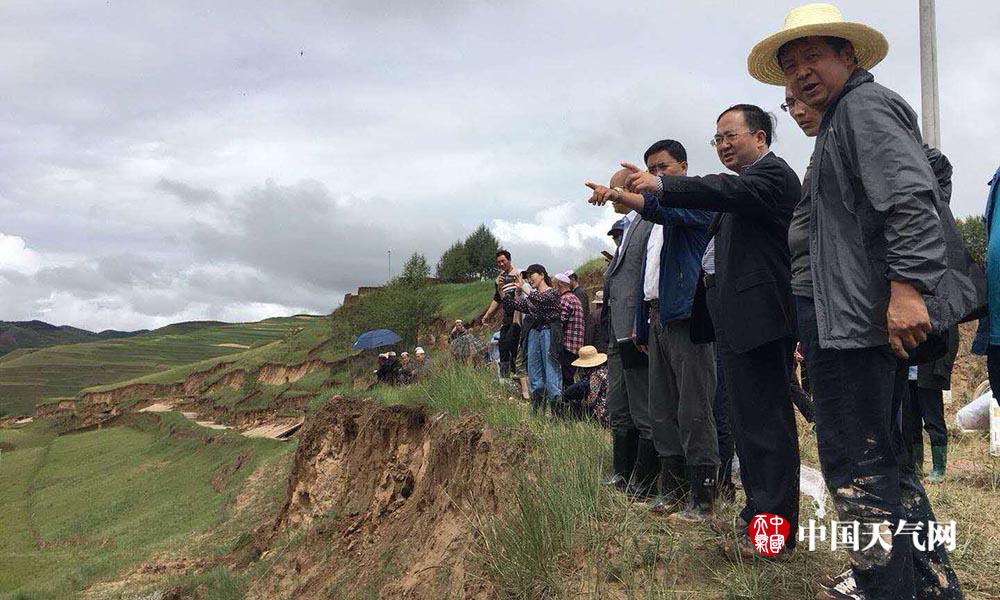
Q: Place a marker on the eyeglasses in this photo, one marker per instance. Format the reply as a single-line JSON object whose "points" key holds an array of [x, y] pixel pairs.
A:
{"points": [[663, 166], [789, 104], [728, 137]]}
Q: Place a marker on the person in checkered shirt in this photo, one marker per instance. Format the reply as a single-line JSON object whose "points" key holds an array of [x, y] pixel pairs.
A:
{"points": [[573, 325]]}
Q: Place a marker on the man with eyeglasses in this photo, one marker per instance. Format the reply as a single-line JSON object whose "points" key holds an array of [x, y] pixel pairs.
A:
{"points": [[746, 282], [884, 280]]}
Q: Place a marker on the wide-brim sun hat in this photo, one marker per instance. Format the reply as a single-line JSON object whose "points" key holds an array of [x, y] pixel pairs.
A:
{"points": [[870, 46], [590, 357]]}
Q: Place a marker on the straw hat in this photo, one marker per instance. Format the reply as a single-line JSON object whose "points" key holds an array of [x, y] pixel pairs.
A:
{"points": [[590, 357], [870, 46]]}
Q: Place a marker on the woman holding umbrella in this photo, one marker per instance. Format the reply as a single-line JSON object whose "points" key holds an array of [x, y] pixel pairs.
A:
{"points": [[544, 339]]}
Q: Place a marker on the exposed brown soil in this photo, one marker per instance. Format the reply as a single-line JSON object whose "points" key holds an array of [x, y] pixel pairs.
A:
{"points": [[385, 497], [969, 370], [233, 380], [278, 374], [135, 391]]}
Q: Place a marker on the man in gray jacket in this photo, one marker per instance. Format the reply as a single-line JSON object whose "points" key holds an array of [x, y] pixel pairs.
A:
{"points": [[635, 460], [878, 260]]}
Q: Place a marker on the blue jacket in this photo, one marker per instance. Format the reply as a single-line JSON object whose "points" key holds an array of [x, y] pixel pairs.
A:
{"points": [[982, 340], [685, 235]]}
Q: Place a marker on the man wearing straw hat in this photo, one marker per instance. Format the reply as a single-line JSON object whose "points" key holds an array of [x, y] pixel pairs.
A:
{"points": [[876, 251]]}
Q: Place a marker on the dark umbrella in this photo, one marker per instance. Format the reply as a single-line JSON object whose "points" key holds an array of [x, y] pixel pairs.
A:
{"points": [[376, 338]]}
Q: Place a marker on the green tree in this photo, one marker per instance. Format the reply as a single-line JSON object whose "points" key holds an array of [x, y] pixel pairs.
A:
{"points": [[481, 249], [404, 307], [453, 267], [416, 270], [973, 232]]}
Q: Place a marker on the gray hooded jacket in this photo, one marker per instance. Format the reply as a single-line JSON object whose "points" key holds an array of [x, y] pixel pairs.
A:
{"points": [[875, 219]]}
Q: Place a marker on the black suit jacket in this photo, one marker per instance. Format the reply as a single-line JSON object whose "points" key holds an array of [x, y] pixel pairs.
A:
{"points": [[752, 262]]}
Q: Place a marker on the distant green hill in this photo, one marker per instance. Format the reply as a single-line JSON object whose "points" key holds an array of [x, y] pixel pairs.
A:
{"points": [[39, 334], [294, 373], [33, 376], [247, 361]]}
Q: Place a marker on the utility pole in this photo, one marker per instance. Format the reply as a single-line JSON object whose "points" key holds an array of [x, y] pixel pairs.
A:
{"points": [[388, 279], [930, 109]]}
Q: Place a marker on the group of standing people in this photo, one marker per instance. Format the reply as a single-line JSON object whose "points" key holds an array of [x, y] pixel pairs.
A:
{"points": [[717, 277], [548, 321]]}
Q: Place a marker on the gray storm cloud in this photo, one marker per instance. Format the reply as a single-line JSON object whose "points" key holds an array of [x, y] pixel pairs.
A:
{"points": [[236, 160]]}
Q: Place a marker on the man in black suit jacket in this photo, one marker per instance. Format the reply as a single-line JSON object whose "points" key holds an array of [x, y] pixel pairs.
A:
{"points": [[749, 296]]}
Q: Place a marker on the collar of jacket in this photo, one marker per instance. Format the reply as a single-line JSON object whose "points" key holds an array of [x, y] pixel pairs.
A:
{"points": [[857, 78]]}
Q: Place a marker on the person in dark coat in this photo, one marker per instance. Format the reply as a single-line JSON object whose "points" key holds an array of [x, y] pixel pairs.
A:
{"points": [[878, 261], [597, 327], [746, 287]]}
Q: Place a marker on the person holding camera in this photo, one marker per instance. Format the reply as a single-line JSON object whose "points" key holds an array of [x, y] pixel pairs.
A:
{"points": [[541, 310], [510, 327]]}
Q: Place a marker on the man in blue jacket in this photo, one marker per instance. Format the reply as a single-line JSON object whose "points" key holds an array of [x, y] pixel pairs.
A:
{"points": [[681, 373], [989, 330]]}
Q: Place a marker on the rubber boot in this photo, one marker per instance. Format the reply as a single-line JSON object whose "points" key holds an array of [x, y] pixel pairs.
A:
{"points": [[701, 501], [725, 488], [917, 456], [642, 485], [939, 456], [538, 402], [623, 459], [557, 407], [671, 496]]}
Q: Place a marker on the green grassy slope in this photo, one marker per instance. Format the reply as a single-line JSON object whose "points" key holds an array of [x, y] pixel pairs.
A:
{"points": [[314, 341], [311, 341], [29, 378], [83, 507], [464, 301], [171, 354]]}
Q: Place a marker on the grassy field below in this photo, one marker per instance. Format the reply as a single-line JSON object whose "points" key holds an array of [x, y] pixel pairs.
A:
{"points": [[32, 377], [81, 508]]}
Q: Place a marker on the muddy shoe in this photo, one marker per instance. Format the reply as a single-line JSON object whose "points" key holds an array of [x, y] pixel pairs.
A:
{"points": [[742, 548], [614, 480], [702, 496], [845, 590], [728, 527], [939, 456], [832, 581], [671, 496]]}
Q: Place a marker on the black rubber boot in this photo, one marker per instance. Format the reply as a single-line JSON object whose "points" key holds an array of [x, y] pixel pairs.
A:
{"points": [[623, 458], [701, 501], [557, 407], [917, 457], [725, 488], [671, 496], [538, 401], [647, 466]]}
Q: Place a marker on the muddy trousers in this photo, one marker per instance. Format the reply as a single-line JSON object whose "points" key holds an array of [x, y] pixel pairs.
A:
{"points": [[866, 467]]}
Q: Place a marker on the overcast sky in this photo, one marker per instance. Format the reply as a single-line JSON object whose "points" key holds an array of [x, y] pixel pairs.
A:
{"points": [[166, 161]]}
